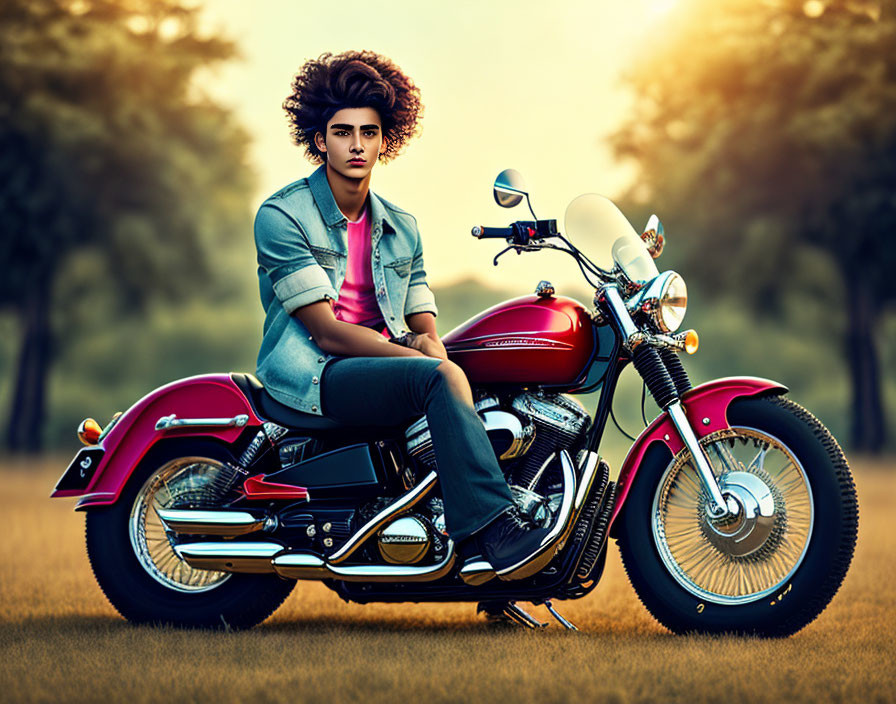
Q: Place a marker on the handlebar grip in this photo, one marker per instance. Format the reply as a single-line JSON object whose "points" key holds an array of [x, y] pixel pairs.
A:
{"points": [[480, 232]]}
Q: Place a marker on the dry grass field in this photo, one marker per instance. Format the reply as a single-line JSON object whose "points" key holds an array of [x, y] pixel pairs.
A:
{"points": [[61, 641]]}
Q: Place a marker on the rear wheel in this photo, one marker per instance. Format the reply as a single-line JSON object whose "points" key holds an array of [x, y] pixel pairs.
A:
{"points": [[133, 557], [771, 568]]}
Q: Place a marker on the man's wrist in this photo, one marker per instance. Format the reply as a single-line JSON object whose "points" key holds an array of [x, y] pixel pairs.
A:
{"points": [[404, 340]]}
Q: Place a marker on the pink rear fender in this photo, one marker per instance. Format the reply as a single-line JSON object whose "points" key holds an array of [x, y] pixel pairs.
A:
{"points": [[706, 407], [205, 396]]}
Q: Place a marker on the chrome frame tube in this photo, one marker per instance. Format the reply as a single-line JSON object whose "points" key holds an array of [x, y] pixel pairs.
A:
{"points": [[619, 311], [719, 506]]}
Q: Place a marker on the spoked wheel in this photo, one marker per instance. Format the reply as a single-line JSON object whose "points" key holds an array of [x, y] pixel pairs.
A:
{"points": [[133, 556], [771, 565]]}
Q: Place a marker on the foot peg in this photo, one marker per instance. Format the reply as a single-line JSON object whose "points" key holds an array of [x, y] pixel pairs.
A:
{"points": [[507, 613]]}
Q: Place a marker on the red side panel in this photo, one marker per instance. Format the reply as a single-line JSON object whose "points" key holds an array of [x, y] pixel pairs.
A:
{"points": [[258, 488], [210, 395], [706, 407]]}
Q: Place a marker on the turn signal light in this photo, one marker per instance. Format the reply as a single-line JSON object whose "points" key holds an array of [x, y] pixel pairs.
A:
{"points": [[691, 341], [89, 431]]}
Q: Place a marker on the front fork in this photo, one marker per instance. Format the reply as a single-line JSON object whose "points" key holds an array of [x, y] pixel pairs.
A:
{"points": [[662, 387]]}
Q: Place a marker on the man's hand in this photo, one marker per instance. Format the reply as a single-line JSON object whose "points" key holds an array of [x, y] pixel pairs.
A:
{"points": [[430, 345]]}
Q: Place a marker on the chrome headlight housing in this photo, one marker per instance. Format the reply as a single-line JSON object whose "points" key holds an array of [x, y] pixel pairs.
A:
{"points": [[664, 300], [673, 303]]}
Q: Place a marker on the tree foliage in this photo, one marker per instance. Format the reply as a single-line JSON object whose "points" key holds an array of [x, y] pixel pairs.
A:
{"points": [[767, 132], [111, 152]]}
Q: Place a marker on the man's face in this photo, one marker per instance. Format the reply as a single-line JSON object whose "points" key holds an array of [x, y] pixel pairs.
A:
{"points": [[353, 141]]}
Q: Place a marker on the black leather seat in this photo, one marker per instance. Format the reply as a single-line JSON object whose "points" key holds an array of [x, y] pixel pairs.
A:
{"points": [[269, 408]]}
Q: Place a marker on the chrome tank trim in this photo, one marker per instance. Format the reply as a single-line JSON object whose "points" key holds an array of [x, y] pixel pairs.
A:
{"points": [[366, 531], [226, 523]]}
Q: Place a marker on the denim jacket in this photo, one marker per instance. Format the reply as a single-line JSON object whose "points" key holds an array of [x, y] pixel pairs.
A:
{"points": [[302, 242]]}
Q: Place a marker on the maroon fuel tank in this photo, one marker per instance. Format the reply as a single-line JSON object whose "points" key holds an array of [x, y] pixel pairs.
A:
{"points": [[526, 340]]}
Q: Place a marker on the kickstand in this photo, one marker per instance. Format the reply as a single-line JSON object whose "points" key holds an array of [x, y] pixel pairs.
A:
{"points": [[566, 624], [509, 613]]}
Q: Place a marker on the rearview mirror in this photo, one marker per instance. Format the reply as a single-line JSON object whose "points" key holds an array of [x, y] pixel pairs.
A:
{"points": [[510, 189], [654, 236]]}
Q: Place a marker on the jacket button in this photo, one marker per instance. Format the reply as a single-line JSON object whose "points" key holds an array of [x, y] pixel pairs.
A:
{"points": [[320, 359], [314, 380], [382, 292], [311, 337], [314, 408], [391, 317], [377, 254]]}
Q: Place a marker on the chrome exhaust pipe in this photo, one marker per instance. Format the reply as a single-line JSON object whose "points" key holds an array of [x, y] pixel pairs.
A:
{"points": [[252, 557], [224, 523], [267, 558], [306, 566]]}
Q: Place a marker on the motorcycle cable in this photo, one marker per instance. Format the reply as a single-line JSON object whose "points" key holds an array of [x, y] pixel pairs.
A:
{"points": [[643, 401], [616, 423]]}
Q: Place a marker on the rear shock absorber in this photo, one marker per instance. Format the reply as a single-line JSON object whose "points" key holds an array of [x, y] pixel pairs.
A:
{"points": [[227, 479]]}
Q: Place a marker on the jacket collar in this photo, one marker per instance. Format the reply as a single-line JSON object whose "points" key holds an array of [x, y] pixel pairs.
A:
{"points": [[326, 203]]}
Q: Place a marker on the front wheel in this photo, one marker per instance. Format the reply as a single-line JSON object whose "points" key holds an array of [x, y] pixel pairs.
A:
{"points": [[133, 556], [771, 568]]}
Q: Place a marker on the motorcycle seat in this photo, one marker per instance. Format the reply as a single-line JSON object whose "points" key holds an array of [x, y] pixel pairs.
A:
{"points": [[269, 408]]}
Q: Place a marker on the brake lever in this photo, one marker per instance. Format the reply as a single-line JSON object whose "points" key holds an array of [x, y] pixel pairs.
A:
{"points": [[520, 248]]}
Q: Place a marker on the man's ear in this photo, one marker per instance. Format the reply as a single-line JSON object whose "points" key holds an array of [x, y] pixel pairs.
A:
{"points": [[320, 142], [383, 146]]}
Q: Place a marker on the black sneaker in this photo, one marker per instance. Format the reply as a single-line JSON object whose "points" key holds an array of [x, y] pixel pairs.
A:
{"points": [[513, 545]]}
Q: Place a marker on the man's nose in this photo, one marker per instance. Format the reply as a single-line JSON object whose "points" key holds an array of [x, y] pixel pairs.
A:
{"points": [[356, 144]]}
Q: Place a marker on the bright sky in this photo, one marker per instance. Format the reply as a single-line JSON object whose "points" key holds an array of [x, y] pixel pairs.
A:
{"points": [[531, 85]]}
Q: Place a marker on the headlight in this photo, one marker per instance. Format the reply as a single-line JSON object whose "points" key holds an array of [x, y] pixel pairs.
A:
{"points": [[673, 303]]}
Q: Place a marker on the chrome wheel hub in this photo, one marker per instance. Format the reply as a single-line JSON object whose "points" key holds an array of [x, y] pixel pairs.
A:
{"points": [[751, 518]]}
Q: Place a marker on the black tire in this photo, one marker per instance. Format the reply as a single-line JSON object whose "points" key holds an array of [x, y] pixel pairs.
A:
{"points": [[240, 601], [816, 576]]}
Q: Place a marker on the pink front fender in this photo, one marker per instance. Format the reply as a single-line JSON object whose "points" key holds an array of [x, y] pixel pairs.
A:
{"points": [[706, 407], [208, 395]]}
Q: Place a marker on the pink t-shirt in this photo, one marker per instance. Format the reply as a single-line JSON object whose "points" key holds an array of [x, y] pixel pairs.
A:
{"points": [[357, 297]]}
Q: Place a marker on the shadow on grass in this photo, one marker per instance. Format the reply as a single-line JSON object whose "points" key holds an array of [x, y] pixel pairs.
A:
{"points": [[55, 627]]}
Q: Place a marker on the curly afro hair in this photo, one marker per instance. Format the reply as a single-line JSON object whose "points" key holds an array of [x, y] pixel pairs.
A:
{"points": [[352, 79]]}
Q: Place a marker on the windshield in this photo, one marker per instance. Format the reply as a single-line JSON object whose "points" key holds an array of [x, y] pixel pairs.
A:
{"points": [[597, 227]]}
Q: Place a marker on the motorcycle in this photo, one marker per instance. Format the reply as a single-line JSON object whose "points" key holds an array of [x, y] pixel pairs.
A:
{"points": [[734, 510]]}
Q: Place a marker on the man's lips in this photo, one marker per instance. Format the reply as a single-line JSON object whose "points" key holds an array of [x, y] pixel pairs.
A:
{"points": [[357, 161]]}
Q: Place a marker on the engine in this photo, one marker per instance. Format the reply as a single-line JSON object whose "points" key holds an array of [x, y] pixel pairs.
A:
{"points": [[525, 431]]}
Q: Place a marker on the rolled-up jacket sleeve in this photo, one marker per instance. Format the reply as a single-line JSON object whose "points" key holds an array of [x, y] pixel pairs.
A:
{"points": [[284, 254], [420, 298]]}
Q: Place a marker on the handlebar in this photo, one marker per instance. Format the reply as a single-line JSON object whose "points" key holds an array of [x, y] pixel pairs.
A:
{"points": [[522, 231]]}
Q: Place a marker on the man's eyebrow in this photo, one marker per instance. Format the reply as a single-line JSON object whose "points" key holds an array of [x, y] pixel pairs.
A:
{"points": [[349, 127]]}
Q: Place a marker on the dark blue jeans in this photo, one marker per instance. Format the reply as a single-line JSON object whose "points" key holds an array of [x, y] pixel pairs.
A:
{"points": [[395, 390]]}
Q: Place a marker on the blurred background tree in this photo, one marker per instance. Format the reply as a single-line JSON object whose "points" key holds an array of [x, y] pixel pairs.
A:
{"points": [[766, 132], [121, 182]]}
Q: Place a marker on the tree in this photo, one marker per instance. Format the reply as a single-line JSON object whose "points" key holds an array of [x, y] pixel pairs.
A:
{"points": [[769, 128], [109, 148]]}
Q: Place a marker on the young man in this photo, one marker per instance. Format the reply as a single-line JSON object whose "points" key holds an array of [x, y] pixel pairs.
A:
{"points": [[350, 321]]}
